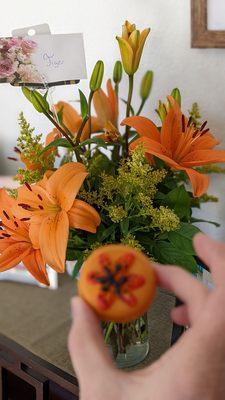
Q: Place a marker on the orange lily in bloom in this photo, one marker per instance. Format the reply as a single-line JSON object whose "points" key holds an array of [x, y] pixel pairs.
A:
{"points": [[180, 144], [52, 209], [106, 110], [15, 243]]}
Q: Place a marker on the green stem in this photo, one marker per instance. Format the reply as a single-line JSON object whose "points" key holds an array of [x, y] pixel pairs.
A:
{"points": [[141, 107], [80, 130], [117, 90], [89, 110], [60, 129], [108, 332], [130, 93]]}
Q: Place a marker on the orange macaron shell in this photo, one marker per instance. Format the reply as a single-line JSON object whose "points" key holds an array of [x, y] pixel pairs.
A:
{"points": [[118, 282]]}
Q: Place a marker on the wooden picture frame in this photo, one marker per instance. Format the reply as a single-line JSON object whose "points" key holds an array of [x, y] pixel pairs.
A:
{"points": [[202, 37]]}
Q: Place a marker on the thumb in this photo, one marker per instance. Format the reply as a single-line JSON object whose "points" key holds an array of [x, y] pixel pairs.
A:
{"points": [[87, 349]]}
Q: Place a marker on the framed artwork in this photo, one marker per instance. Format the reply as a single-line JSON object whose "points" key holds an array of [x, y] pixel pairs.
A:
{"points": [[208, 23]]}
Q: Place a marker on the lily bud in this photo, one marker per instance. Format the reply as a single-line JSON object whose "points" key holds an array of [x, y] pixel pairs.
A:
{"points": [[39, 102], [146, 85], [176, 95], [131, 46], [161, 111], [97, 76], [117, 72]]}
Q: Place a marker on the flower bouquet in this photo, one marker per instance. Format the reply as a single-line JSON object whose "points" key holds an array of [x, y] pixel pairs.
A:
{"points": [[15, 60], [121, 179]]}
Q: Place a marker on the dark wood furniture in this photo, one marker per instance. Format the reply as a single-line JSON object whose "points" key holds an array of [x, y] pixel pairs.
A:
{"points": [[202, 37], [24, 376]]}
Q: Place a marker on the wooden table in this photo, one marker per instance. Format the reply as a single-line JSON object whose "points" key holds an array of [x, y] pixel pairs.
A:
{"points": [[24, 376]]}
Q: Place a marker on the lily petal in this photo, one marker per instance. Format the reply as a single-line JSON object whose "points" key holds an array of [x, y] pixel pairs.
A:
{"points": [[13, 255], [156, 149], [53, 239], [171, 130], [143, 126], [65, 183], [139, 51], [203, 157], [113, 101], [126, 55], [200, 182], [71, 119], [206, 142], [34, 263], [83, 216], [102, 107]]}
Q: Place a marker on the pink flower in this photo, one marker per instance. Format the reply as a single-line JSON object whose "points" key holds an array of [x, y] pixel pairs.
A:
{"points": [[28, 73], [28, 46], [7, 68]]}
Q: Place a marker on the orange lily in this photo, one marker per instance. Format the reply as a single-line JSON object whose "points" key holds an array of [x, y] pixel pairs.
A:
{"points": [[15, 243], [106, 110], [52, 209], [179, 144]]}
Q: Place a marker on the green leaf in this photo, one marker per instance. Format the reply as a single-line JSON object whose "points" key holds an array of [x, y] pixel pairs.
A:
{"points": [[166, 253], [107, 233], [100, 142], [83, 104], [60, 116], [72, 254], [57, 143], [124, 226], [131, 108], [77, 267], [146, 241], [182, 238], [76, 241], [179, 200], [204, 220]]}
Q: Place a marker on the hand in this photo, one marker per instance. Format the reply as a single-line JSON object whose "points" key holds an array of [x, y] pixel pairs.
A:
{"points": [[193, 369]]}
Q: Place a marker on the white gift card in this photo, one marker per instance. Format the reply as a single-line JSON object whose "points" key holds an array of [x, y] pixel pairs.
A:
{"points": [[59, 57], [42, 60]]}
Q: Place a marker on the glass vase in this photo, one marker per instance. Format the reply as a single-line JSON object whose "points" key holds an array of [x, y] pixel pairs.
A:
{"points": [[129, 343]]}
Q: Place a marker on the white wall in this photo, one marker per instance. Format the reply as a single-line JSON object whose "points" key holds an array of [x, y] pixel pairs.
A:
{"points": [[200, 74]]}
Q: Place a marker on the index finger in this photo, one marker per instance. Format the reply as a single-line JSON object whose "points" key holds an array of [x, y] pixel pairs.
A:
{"points": [[212, 253]]}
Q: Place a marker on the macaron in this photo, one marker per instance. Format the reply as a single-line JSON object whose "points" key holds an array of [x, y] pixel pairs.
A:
{"points": [[118, 282]]}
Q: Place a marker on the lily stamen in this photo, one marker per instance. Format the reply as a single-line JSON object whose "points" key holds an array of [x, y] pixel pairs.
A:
{"points": [[203, 126], [6, 215], [183, 123], [204, 132], [24, 206], [28, 186]]}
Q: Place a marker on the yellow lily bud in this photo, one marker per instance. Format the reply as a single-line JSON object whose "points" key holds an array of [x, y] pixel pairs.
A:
{"points": [[127, 29], [117, 72], [131, 46], [146, 85], [97, 76]]}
